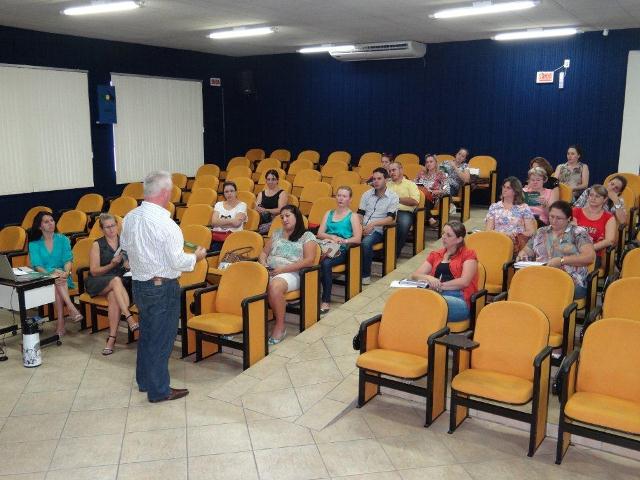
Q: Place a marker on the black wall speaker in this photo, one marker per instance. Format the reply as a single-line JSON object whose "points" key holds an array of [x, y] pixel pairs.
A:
{"points": [[246, 84]]}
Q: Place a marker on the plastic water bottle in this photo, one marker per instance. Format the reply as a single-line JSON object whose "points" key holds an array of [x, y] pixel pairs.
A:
{"points": [[31, 355]]}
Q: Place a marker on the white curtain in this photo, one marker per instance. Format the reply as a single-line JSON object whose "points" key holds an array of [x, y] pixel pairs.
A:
{"points": [[45, 136], [159, 127]]}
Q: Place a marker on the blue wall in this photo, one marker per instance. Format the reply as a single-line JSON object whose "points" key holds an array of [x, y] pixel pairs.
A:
{"points": [[480, 94]]}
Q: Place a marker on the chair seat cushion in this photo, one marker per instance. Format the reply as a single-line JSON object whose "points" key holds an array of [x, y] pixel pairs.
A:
{"points": [[391, 362], [555, 339], [215, 271], [378, 246], [99, 300], [217, 323], [339, 268], [581, 303], [604, 411], [291, 296], [493, 386], [457, 327]]}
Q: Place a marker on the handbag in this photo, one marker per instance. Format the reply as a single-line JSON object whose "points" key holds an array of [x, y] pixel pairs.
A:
{"points": [[237, 255], [217, 236], [329, 249]]}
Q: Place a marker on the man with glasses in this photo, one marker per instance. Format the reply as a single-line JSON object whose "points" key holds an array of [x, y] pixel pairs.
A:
{"points": [[409, 198]]}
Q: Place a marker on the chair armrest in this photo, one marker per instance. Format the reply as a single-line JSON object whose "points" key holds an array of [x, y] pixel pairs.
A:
{"points": [[312, 268], [363, 331], [545, 352], [437, 335], [572, 307], [591, 318], [505, 273], [196, 306], [501, 296], [180, 204], [249, 300], [562, 376], [193, 286], [457, 342], [80, 274], [474, 306], [14, 253]]}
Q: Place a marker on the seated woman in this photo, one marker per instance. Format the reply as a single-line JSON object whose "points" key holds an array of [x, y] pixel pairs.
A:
{"points": [[291, 248], [452, 271], [433, 183], [386, 160], [538, 197], [511, 215], [573, 173], [270, 201], [600, 224], [552, 182], [106, 270], [340, 226], [614, 203], [457, 170], [562, 245], [50, 252], [228, 216]]}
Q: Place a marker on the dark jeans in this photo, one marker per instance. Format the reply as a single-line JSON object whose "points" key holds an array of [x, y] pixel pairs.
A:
{"points": [[326, 278], [367, 251], [159, 307], [404, 220]]}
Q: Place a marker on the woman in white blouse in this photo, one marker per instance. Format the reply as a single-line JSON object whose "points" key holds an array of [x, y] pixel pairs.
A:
{"points": [[228, 216]]}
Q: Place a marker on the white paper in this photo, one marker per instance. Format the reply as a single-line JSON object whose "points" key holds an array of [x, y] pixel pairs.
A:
{"points": [[127, 274], [406, 283], [525, 264], [17, 272]]}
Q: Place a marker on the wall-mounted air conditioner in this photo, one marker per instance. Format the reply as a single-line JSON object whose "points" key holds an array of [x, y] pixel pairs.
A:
{"points": [[382, 51]]}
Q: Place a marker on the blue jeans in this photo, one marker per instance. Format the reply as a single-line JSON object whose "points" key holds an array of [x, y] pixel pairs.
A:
{"points": [[326, 278], [159, 307], [458, 309], [367, 251], [404, 220], [579, 292]]}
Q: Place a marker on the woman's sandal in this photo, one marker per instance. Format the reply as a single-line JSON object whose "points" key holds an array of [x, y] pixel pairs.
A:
{"points": [[108, 351], [132, 326]]}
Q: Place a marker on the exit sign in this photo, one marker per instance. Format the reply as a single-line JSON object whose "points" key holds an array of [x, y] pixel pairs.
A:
{"points": [[544, 77], [215, 82]]}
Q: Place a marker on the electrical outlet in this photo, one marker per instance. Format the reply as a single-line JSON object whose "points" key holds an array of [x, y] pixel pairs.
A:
{"points": [[567, 62]]}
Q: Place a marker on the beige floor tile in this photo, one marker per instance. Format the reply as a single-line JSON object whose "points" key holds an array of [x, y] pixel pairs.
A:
{"points": [[341, 344], [154, 445], [417, 450], [98, 399], [54, 379], [315, 351], [354, 457], [387, 420], [373, 476], [27, 457], [349, 326], [87, 452], [25, 476], [315, 333], [278, 380], [234, 389], [357, 303], [347, 363], [322, 414], [448, 472], [106, 472], [8, 401], [226, 466], [44, 402], [290, 463], [214, 439], [335, 317], [350, 426], [251, 416], [314, 371], [520, 468], [278, 404], [159, 470], [203, 410], [267, 366], [116, 379], [346, 391], [278, 433], [87, 423], [288, 349], [31, 428], [311, 394], [157, 416]]}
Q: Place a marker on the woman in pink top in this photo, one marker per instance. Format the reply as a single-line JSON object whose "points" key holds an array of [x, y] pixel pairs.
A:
{"points": [[537, 197]]}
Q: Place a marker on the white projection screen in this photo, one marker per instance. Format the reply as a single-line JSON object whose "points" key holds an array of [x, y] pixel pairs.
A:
{"points": [[160, 126], [45, 129], [630, 141]]}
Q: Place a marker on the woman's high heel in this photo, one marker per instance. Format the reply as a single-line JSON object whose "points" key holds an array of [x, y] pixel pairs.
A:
{"points": [[108, 351], [132, 326]]}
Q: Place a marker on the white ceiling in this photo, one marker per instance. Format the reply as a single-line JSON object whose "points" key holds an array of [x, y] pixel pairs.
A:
{"points": [[184, 24]]}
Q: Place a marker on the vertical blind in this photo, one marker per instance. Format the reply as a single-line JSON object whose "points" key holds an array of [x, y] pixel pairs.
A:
{"points": [[160, 126], [45, 133]]}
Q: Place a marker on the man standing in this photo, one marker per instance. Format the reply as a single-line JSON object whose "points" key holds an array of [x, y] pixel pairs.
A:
{"points": [[154, 245], [377, 208], [409, 197]]}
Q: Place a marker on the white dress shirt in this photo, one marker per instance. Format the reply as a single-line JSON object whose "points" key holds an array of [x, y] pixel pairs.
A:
{"points": [[154, 244]]}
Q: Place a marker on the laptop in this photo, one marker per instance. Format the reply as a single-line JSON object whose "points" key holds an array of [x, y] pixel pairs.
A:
{"points": [[7, 272]]}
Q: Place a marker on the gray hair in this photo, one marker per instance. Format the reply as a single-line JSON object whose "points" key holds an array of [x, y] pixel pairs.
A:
{"points": [[156, 182], [104, 217]]}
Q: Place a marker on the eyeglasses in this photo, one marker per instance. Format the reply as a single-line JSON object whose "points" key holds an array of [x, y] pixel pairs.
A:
{"points": [[109, 226], [556, 217]]}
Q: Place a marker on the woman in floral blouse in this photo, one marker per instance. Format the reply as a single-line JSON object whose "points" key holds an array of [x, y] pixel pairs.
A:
{"points": [[433, 183], [573, 173]]}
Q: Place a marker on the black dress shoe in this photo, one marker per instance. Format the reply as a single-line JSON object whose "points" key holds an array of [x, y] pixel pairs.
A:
{"points": [[175, 394]]}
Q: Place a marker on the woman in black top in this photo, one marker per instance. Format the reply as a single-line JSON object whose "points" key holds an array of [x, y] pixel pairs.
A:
{"points": [[270, 200]]}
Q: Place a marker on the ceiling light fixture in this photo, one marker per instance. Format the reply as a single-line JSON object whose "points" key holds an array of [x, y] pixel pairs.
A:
{"points": [[484, 8], [537, 33], [241, 32], [103, 7], [328, 48]]}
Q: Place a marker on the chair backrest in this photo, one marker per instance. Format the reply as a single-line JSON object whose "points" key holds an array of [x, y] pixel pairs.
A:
{"points": [[253, 220], [313, 190], [309, 155], [369, 157], [305, 176], [485, 163], [550, 289], [196, 234], [206, 181], [493, 250], [27, 221], [281, 154], [254, 154], [81, 250], [622, 299], [238, 172], [298, 165], [281, 175], [366, 168], [330, 169], [282, 185], [234, 287], [208, 169], [482, 276], [565, 193], [12, 238], [133, 190], [346, 178], [247, 197], [171, 208], [339, 156], [176, 194], [510, 335], [633, 183], [244, 184], [204, 196], [409, 333], [72, 221], [197, 215], [276, 223], [197, 275], [293, 200], [443, 157], [321, 206], [268, 164], [631, 264], [243, 238], [609, 359], [358, 191], [90, 202], [122, 205], [407, 159], [238, 162], [96, 230], [412, 170], [179, 180]]}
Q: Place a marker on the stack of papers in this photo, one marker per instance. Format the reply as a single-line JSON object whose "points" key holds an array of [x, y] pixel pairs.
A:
{"points": [[406, 283], [525, 264]]}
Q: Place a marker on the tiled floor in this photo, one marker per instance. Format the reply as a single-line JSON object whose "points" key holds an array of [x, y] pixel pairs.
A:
{"points": [[291, 416]]}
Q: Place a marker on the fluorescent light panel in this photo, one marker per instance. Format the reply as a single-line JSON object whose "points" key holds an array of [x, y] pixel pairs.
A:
{"points": [[541, 33], [328, 48], [485, 8], [104, 7], [241, 32]]}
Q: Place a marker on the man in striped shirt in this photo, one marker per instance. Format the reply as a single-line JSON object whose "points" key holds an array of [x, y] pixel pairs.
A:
{"points": [[154, 245]]}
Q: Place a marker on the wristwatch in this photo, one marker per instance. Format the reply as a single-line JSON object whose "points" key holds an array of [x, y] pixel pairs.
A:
{"points": [[617, 205], [561, 261]]}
